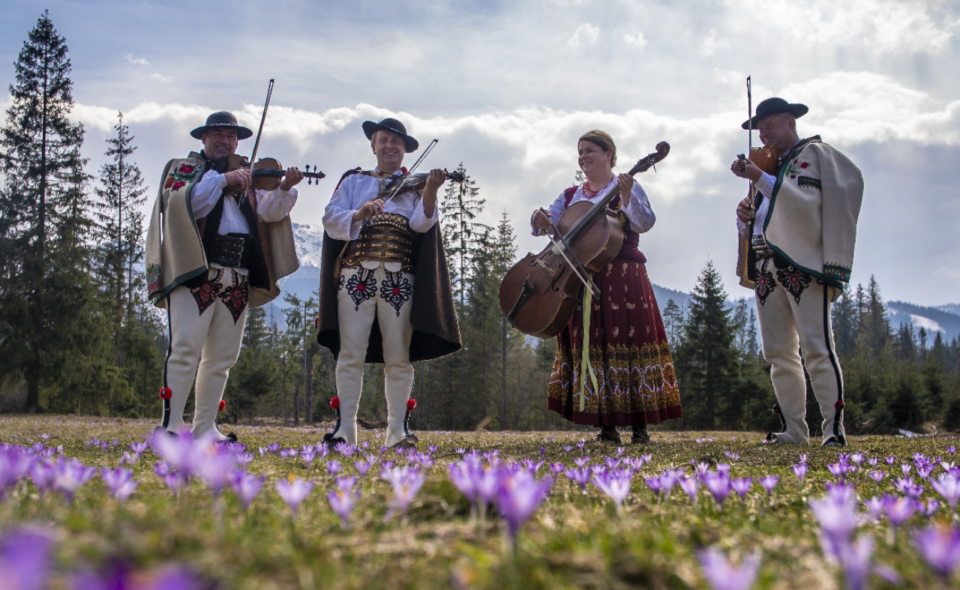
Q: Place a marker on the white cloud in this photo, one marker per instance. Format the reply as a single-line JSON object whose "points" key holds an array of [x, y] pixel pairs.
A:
{"points": [[161, 77], [137, 61], [585, 36], [884, 26], [637, 40], [711, 44]]}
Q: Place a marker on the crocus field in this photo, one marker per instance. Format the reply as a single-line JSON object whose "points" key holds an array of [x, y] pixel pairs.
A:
{"points": [[89, 503]]}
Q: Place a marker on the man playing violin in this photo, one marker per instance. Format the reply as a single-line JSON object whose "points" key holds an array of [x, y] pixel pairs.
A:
{"points": [[379, 237], [213, 247], [800, 224]]}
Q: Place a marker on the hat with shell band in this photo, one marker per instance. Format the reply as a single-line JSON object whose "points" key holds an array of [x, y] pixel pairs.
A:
{"points": [[221, 120]]}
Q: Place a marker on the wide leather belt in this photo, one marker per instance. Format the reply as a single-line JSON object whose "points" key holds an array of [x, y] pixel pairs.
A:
{"points": [[387, 238], [231, 250], [760, 247]]}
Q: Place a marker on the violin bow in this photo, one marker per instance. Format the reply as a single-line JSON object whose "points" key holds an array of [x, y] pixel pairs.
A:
{"points": [[396, 189], [256, 144]]}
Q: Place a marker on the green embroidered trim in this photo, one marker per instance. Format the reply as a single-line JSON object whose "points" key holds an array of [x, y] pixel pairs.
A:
{"points": [[806, 181], [837, 271]]}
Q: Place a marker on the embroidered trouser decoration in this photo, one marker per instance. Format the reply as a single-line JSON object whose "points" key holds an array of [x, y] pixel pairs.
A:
{"points": [[792, 278], [356, 316], [788, 324], [210, 341], [765, 283]]}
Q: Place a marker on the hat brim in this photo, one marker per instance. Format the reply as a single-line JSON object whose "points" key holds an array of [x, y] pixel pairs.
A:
{"points": [[797, 110], [242, 132], [369, 128]]}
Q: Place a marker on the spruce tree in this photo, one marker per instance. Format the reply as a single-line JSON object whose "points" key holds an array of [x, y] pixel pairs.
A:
{"points": [[708, 356], [43, 212], [461, 234], [121, 195], [504, 256]]}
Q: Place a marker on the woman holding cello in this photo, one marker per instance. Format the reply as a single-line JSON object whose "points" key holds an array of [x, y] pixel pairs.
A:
{"points": [[627, 348]]}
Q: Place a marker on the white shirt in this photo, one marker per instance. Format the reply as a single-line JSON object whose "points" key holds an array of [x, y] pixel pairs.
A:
{"points": [[636, 207], [271, 207], [765, 185], [354, 192]]}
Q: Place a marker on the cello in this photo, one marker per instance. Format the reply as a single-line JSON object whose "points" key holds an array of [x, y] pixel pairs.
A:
{"points": [[540, 293]]}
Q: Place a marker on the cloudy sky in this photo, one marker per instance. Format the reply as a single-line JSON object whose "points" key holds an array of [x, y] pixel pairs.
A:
{"points": [[508, 87]]}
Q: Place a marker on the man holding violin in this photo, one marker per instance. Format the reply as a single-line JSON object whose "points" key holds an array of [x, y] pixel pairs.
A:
{"points": [[215, 244], [798, 231], [379, 235]]}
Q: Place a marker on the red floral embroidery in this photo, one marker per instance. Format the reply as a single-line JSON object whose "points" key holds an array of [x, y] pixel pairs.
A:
{"points": [[179, 185], [169, 181], [186, 169]]}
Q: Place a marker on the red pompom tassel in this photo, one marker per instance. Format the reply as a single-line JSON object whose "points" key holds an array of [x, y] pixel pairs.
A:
{"points": [[839, 405], [316, 323], [776, 408], [335, 402], [223, 404], [166, 393], [411, 404]]}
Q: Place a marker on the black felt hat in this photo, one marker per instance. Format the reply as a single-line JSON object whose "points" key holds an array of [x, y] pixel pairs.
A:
{"points": [[394, 126], [222, 120], [773, 106]]}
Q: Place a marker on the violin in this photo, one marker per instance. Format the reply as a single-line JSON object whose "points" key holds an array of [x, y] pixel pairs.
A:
{"points": [[540, 293], [267, 173], [765, 158], [417, 182]]}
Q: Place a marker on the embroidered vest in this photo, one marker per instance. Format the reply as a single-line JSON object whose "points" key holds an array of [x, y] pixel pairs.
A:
{"points": [[631, 239]]}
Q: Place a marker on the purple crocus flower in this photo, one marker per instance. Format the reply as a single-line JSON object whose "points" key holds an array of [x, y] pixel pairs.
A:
{"points": [[841, 492], [940, 548], [905, 486], [179, 451], [71, 474], [948, 487], [333, 467], [519, 497], [899, 510], [906, 468], [800, 470], [741, 486], [876, 506], [273, 447], [214, 465], [173, 481], [406, 483], [616, 485], [877, 476], [930, 507], [246, 487], [289, 453], [308, 454], [24, 559], [578, 476], [768, 482], [719, 487], [342, 499], [653, 483], [722, 575], [294, 492], [244, 459], [690, 485], [557, 468], [463, 479], [43, 475], [837, 517], [951, 449], [120, 482], [857, 458], [581, 461], [362, 467], [839, 470], [14, 464], [732, 456]]}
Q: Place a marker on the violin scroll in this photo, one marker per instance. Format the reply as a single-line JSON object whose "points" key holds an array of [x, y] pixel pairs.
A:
{"points": [[267, 173], [651, 160]]}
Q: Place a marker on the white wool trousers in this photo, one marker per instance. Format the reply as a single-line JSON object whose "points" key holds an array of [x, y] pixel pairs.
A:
{"points": [[206, 328], [794, 312], [366, 295]]}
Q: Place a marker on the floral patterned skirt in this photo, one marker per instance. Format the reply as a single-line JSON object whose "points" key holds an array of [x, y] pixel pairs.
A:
{"points": [[629, 354]]}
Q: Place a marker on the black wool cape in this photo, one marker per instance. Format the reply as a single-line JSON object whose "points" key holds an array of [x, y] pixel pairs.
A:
{"points": [[436, 332]]}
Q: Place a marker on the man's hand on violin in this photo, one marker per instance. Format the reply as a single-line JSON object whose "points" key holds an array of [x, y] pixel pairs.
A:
{"points": [[435, 179], [745, 210], [541, 221], [368, 210], [626, 185], [746, 169], [239, 177], [291, 178]]}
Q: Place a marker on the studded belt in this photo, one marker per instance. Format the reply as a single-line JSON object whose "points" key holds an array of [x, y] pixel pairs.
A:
{"points": [[760, 247], [387, 238], [230, 250]]}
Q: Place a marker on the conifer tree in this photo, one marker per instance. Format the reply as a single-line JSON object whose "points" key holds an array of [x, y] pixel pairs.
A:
{"points": [[120, 221], [461, 234], [504, 256], [708, 355], [42, 210]]}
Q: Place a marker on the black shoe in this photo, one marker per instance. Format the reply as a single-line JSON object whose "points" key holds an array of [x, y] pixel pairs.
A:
{"points": [[408, 442], [772, 437], [835, 441], [609, 435], [231, 438], [331, 441], [640, 437]]}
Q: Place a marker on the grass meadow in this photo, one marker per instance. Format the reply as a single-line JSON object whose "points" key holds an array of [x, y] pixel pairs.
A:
{"points": [[573, 539]]}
